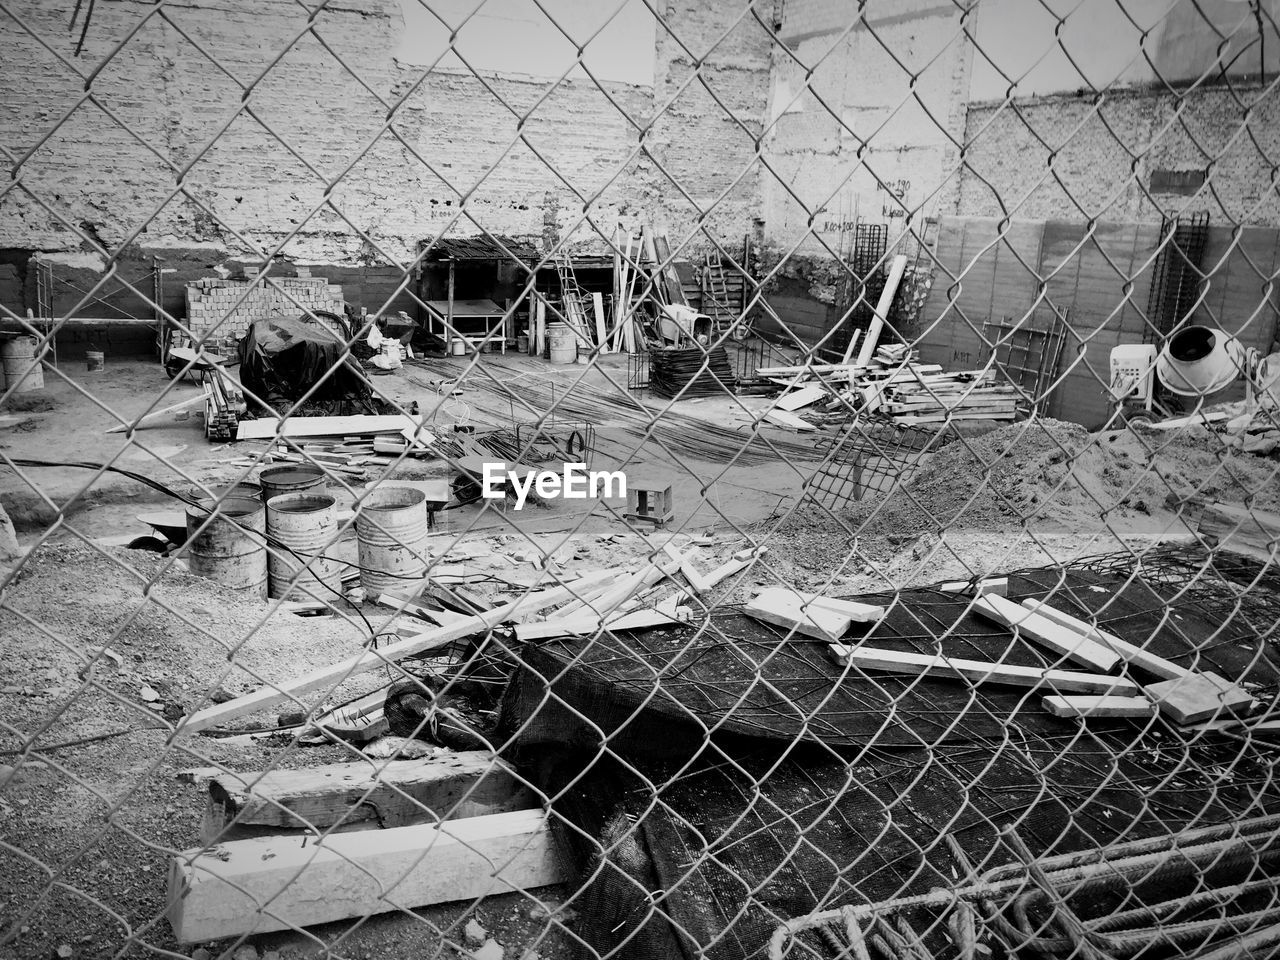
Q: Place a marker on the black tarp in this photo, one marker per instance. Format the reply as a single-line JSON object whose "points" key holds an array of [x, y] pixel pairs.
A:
{"points": [[281, 361]]}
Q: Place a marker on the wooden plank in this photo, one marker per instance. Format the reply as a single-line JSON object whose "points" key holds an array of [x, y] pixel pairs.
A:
{"points": [[1199, 697], [855, 611], [367, 793], [597, 308], [150, 418], [267, 428], [800, 398], [736, 565], [1137, 708], [980, 671], [846, 369], [617, 594], [1061, 640], [328, 678], [440, 617], [263, 884], [787, 609], [559, 627], [697, 583], [783, 419], [1132, 654], [872, 339], [641, 620]]}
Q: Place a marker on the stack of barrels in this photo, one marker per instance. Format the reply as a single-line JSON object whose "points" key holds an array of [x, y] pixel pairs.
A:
{"points": [[275, 538]]}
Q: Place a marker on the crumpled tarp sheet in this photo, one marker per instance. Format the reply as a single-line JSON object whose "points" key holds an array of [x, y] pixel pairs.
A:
{"points": [[281, 360]]}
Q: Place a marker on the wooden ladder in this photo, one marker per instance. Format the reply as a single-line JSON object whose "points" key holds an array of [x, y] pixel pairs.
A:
{"points": [[715, 294], [573, 299]]}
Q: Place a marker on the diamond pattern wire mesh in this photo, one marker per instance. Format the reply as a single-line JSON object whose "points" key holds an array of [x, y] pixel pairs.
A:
{"points": [[719, 785]]}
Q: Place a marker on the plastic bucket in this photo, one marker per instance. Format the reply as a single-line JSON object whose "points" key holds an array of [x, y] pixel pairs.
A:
{"points": [[391, 530], [225, 551], [290, 478], [95, 361], [562, 344], [22, 370], [302, 526]]}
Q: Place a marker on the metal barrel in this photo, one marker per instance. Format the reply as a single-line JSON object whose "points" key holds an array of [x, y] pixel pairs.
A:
{"points": [[231, 549], [244, 490], [290, 478], [22, 370], [562, 343], [301, 527], [391, 527]]}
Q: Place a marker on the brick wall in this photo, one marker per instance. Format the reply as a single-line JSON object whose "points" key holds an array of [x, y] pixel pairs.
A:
{"points": [[1074, 158], [461, 154], [227, 308]]}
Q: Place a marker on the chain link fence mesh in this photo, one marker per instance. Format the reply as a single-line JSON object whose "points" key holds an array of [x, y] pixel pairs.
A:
{"points": [[790, 697]]}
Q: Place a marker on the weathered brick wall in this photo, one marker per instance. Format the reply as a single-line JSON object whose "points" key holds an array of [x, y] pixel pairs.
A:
{"points": [[1073, 158], [312, 168]]}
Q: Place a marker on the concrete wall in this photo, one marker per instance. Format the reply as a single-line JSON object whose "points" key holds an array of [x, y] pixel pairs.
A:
{"points": [[858, 141], [1079, 158], [177, 148]]}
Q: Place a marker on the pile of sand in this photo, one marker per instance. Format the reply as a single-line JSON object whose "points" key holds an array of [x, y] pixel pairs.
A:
{"points": [[1058, 476]]}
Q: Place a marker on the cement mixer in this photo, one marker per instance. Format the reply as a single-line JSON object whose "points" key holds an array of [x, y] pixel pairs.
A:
{"points": [[1196, 361]]}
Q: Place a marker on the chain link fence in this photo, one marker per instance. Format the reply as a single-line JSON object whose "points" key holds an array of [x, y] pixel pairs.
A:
{"points": [[935, 617]]}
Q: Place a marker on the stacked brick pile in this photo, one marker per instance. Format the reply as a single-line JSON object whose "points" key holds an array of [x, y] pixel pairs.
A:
{"points": [[211, 304]]}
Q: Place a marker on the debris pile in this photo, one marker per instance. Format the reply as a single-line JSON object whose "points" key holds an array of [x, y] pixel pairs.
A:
{"points": [[897, 387]]}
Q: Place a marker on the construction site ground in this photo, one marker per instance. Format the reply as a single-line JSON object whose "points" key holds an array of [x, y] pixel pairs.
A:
{"points": [[175, 634]]}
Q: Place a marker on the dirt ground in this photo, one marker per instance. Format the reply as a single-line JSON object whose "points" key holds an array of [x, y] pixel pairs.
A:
{"points": [[94, 823]]}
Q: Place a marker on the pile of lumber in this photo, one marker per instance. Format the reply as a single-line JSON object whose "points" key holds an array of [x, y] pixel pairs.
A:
{"points": [[607, 596], [223, 405], [348, 456], [894, 385], [1119, 678], [283, 849]]}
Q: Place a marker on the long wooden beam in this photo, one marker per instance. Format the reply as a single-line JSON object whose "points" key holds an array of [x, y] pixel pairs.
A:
{"points": [[267, 428], [981, 671], [1052, 636], [328, 678]]}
